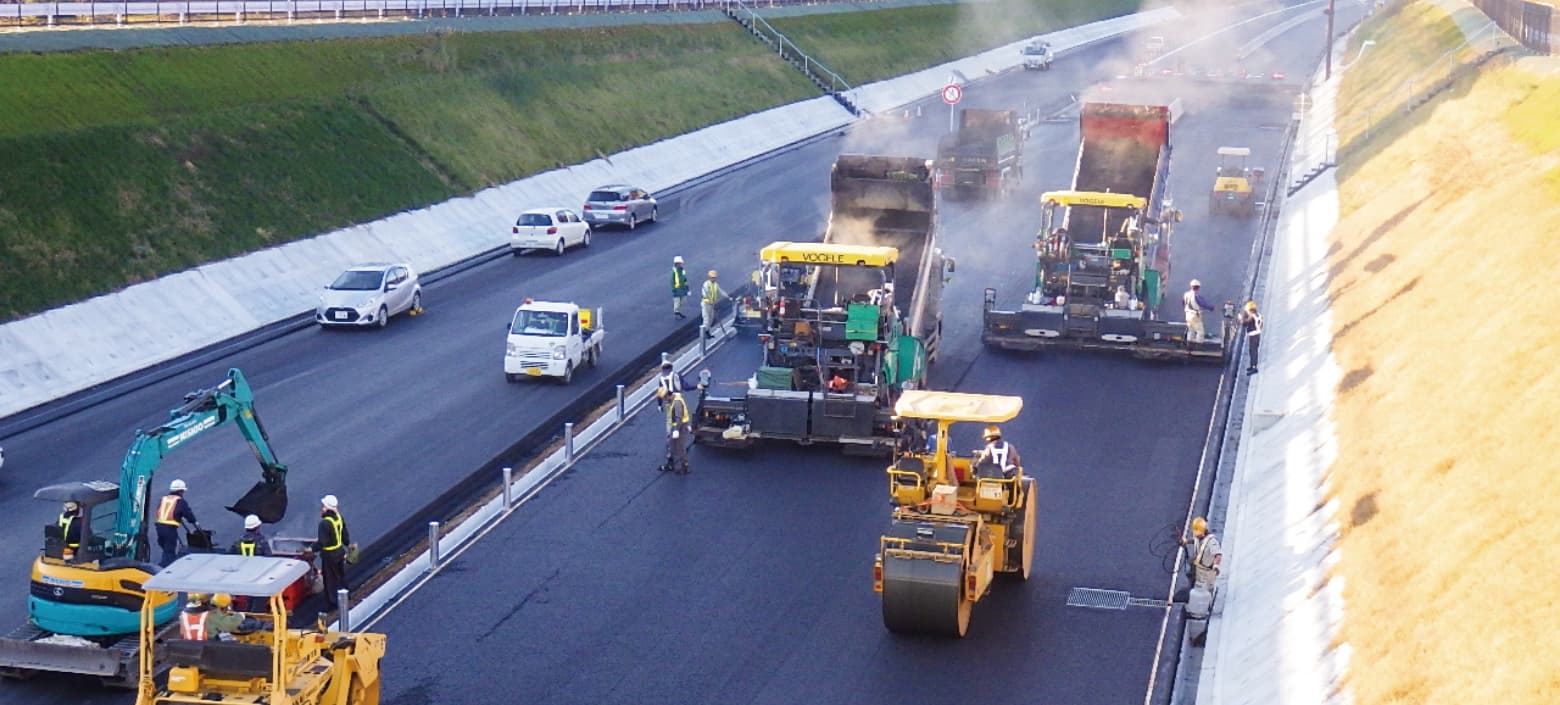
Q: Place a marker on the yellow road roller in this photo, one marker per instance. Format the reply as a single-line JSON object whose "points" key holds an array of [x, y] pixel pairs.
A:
{"points": [[955, 524], [249, 656]]}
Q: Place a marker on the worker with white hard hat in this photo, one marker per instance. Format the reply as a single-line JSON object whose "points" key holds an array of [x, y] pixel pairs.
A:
{"points": [[332, 547], [172, 512], [679, 287], [253, 542], [1251, 322], [710, 295], [70, 527], [679, 430], [1195, 304]]}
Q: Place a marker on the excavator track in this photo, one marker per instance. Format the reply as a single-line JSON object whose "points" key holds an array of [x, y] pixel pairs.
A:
{"points": [[923, 594]]}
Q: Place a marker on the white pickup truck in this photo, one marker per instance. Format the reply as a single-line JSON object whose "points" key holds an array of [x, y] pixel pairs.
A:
{"points": [[1037, 55], [551, 339]]}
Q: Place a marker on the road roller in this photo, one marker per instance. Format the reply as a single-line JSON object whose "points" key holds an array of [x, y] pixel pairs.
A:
{"points": [[955, 525]]}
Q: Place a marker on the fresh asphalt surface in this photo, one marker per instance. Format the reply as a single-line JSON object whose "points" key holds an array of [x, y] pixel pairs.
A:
{"points": [[752, 582]]}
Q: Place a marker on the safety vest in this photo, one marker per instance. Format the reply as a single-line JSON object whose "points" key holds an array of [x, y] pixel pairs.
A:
{"points": [[167, 508], [336, 525], [246, 547], [671, 411], [192, 625], [1189, 299], [65, 521], [1000, 454], [1254, 326], [711, 292], [670, 382], [679, 279]]}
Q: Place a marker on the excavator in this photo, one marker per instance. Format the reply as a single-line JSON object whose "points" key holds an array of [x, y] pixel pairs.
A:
{"points": [[86, 600], [955, 525]]}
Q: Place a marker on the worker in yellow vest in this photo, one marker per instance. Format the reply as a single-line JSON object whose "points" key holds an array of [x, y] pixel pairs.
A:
{"points": [[332, 547], [679, 287], [70, 528], [709, 295], [172, 511], [679, 431], [253, 542]]}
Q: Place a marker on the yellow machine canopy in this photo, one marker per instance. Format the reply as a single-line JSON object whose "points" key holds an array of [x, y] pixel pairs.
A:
{"points": [[1094, 198], [818, 253], [954, 406]]}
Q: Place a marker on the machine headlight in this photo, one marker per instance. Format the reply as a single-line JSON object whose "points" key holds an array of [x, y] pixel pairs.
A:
{"points": [[557, 352], [511, 350]]}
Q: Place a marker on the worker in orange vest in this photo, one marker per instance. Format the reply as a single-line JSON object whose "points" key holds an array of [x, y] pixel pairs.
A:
{"points": [[172, 512]]}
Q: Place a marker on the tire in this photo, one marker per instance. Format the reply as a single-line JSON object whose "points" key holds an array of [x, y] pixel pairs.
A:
{"points": [[558, 250], [586, 242], [655, 214], [516, 251], [384, 317], [633, 220], [568, 373], [590, 358], [416, 301], [511, 378]]}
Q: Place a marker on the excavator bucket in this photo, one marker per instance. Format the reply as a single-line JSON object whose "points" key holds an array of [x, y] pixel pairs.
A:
{"points": [[267, 500]]}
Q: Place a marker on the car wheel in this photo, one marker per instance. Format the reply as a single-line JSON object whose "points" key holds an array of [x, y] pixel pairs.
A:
{"points": [[516, 251], [568, 373], [559, 249], [416, 301], [590, 358], [655, 214], [384, 317], [586, 242], [633, 220]]}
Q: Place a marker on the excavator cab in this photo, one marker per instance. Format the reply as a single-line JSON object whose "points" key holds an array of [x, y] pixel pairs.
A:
{"points": [[1235, 184], [953, 526]]}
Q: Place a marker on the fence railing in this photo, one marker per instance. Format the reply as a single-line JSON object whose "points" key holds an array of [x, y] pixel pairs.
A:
{"points": [[1535, 24], [822, 75], [68, 14]]}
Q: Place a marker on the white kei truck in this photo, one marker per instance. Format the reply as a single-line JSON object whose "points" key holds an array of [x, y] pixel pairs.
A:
{"points": [[552, 339]]}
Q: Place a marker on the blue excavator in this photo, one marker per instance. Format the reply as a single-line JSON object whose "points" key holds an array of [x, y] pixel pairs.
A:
{"points": [[85, 605]]}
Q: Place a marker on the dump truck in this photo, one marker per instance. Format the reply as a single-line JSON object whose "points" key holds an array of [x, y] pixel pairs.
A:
{"points": [[984, 156], [551, 339], [86, 601], [1103, 251], [1234, 183], [263, 660], [955, 524], [846, 325]]}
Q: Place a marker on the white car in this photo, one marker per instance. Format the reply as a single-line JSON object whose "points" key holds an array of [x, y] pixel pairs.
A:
{"points": [[555, 229], [368, 295], [552, 339]]}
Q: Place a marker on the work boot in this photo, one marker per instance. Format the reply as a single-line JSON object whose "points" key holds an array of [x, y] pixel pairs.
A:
{"points": [[1251, 370], [680, 315]]}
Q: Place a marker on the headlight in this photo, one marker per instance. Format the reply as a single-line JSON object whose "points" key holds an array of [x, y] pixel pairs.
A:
{"points": [[557, 352], [511, 350]]}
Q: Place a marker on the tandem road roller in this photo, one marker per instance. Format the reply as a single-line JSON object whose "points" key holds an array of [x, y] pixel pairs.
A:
{"points": [[955, 525]]}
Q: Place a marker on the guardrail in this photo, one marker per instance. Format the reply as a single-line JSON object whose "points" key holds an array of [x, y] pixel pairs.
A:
{"points": [[43, 15], [1535, 24], [822, 76]]}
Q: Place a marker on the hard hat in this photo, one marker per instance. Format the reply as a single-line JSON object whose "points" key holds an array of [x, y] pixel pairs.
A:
{"points": [[222, 600], [176, 486], [328, 501], [197, 598], [992, 433], [1196, 283], [1251, 306], [71, 506], [712, 274], [251, 522], [677, 259], [1199, 527]]}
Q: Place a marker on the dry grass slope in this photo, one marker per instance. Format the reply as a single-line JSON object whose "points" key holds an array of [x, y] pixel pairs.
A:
{"points": [[1449, 462]]}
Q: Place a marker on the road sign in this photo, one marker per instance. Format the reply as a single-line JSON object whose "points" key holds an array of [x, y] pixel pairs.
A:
{"points": [[952, 93]]}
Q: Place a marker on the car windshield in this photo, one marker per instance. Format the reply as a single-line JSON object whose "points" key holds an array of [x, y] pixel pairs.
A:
{"points": [[357, 280], [1034, 50], [605, 196], [535, 219], [552, 324]]}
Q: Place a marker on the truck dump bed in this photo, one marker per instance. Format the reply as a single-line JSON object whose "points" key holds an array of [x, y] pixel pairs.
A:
{"points": [[1125, 149], [888, 201]]}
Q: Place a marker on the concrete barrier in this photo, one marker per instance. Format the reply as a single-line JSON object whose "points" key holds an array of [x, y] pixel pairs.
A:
{"points": [[75, 347]]}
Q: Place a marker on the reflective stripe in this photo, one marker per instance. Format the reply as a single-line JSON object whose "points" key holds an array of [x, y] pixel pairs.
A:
{"points": [[246, 548], [65, 522], [677, 402], [679, 278], [336, 524], [1000, 455], [166, 509], [192, 625], [711, 292]]}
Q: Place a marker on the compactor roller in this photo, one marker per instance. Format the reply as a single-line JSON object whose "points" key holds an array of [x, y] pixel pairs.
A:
{"points": [[954, 525]]}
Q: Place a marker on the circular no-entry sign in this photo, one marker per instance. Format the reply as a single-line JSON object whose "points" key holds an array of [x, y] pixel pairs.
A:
{"points": [[952, 93]]}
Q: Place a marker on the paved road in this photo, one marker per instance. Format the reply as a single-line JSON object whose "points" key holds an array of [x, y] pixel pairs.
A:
{"points": [[641, 566]]}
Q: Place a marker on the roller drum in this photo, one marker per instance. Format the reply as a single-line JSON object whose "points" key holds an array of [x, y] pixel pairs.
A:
{"points": [[922, 595]]}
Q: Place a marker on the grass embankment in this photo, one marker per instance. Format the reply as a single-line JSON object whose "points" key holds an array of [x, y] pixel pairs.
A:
{"points": [[122, 166], [870, 46], [1443, 271]]}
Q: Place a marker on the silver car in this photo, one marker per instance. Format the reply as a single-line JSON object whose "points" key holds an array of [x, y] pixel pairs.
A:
{"points": [[368, 295], [618, 204]]}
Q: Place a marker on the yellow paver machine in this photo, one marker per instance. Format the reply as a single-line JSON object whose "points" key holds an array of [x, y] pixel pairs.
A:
{"points": [[955, 525], [261, 661]]}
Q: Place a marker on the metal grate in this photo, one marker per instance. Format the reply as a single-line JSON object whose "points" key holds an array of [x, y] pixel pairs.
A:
{"points": [[1147, 602], [1094, 598]]}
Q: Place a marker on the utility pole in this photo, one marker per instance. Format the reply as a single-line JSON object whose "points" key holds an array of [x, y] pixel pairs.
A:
{"points": [[1330, 13]]}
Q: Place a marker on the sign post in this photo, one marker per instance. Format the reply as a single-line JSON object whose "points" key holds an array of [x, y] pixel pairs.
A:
{"points": [[952, 94]]}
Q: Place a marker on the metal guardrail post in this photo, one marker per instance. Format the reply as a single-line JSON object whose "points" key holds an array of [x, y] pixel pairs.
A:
{"points": [[703, 340], [433, 546], [568, 440], [509, 491], [621, 408], [344, 609]]}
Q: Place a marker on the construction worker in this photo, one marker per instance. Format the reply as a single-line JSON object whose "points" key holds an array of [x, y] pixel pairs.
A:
{"points": [[221, 620], [679, 430], [998, 455], [332, 547], [172, 512], [70, 529], [1123, 299], [709, 295], [192, 621], [1206, 555], [253, 542], [1251, 321], [668, 381], [1195, 304], [679, 287]]}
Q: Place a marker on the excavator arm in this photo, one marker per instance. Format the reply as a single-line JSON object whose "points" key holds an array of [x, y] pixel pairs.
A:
{"points": [[203, 410]]}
